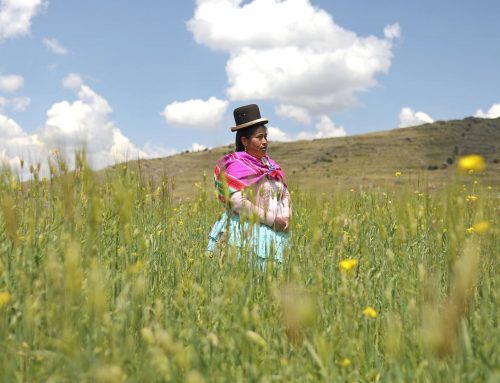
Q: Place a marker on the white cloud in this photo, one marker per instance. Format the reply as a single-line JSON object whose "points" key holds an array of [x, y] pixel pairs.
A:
{"points": [[276, 134], [17, 103], [493, 112], [291, 52], [72, 81], [156, 151], [70, 126], [20, 103], [392, 31], [196, 114], [195, 147], [408, 117], [9, 128], [12, 163], [325, 128], [16, 15], [54, 46], [15, 144], [86, 122], [11, 83], [295, 113]]}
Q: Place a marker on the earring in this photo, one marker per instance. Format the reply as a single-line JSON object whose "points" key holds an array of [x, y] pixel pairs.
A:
{"points": [[245, 149]]}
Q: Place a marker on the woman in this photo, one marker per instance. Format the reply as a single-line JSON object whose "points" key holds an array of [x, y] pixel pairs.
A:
{"points": [[253, 189]]}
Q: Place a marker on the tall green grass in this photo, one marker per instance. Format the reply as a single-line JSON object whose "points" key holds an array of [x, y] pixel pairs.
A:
{"points": [[108, 280]]}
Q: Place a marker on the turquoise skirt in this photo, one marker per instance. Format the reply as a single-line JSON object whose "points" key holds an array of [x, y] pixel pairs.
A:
{"points": [[260, 240]]}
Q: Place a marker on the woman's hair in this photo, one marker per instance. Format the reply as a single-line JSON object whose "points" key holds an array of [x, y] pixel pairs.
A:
{"points": [[247, 132]]}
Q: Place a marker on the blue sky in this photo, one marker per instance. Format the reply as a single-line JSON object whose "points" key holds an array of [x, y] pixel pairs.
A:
{"points": [[153, 78]]}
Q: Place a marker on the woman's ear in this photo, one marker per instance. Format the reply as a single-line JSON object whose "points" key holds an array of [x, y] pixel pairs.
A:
{"points": [[244, 141]]}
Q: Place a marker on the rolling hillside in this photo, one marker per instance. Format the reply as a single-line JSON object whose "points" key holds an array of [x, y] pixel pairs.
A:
{"points": [[427, 152]]}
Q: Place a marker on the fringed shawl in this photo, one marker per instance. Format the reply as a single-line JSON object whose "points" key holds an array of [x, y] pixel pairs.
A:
{"points": [[238, 170]]}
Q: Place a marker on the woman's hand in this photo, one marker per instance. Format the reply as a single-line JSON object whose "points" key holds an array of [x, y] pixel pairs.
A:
{"points": [[281, 224]]}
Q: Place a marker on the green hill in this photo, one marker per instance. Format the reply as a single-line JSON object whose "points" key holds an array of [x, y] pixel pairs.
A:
{"points": [[427, 152]]}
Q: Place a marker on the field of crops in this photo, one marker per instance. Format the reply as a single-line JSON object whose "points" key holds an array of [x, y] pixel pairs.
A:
{"points": [[108, 281]]}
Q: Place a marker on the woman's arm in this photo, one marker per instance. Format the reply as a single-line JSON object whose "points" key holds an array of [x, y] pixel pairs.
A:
{"points": [[287, 206], [240, 203], [282, 220]]}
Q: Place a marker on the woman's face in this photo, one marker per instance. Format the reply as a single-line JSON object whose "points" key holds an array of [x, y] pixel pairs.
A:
{"points": [[256, 145]]}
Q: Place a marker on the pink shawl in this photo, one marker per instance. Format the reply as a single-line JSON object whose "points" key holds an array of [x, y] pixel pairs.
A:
{"points": [[239, 170]]}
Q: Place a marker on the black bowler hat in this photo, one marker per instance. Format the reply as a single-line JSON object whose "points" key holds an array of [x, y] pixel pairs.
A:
{"points": [[246, 116]]}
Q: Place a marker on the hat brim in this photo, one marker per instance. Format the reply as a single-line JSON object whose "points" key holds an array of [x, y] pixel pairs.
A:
{"points": [[250, 123]]}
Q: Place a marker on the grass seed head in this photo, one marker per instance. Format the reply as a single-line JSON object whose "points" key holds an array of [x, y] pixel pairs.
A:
{"points": [[441, 325], [257, 339], [297, 311], [110, 374], [8, 206]]}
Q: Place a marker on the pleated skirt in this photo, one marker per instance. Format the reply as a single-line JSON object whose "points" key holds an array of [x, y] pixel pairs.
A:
{"points": [[251, 239]]}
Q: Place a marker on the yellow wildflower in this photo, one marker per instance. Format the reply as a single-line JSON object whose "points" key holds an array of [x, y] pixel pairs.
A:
{"points": [[470, 230], [472, 162], [346, 362], [348, 264], [370, 312], [5, 298], [397, 174], [472, 198], [481, 227]]}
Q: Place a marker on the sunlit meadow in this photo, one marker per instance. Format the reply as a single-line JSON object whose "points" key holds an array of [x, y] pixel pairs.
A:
{"points": [[107, 280]]}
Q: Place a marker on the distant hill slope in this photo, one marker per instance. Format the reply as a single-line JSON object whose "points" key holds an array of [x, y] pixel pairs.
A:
{"points": [[429, 151]]}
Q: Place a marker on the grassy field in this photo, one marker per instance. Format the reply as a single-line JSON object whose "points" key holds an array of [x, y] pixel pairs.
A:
{"points": [[109, 282], [367, 161]]}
